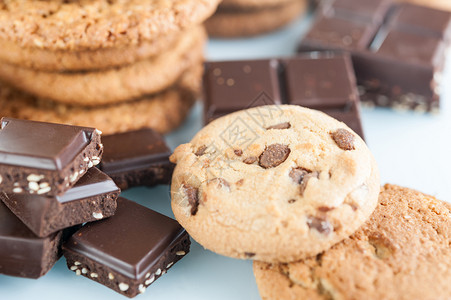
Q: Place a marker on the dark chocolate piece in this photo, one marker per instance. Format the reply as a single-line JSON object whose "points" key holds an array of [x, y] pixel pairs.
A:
{"points": [[241, 83], [128, 251], [44, 158], [398, 50], [22, 253], [92, 198], [320, 81], [136, 158]]}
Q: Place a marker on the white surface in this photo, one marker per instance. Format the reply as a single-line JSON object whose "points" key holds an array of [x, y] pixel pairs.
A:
{"points": [[412, 150]]}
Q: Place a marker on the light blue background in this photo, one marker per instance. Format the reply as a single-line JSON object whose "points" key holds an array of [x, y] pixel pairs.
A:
{"points": [[412, 150]]}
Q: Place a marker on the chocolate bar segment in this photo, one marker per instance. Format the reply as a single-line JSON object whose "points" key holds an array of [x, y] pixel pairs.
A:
{"points": [[22, 253], [321, 81], [128, 251], [136, 158], [241, 84], [92, 198], [402, 63], [44, 158]]}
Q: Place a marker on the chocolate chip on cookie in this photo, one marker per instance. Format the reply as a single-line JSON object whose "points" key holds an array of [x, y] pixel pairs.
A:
{"points": [[250, 160], [320, 224], [344, 139], [192, 194], [274, 155], [301, 176], [238, 152], [285, 125]]}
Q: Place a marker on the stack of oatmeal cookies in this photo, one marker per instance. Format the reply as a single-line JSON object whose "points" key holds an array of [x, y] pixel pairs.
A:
{"points": [[114, 65]]}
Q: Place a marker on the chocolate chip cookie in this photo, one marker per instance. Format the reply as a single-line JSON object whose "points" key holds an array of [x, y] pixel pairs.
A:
{"points": [[273, 183], [402, 252]]}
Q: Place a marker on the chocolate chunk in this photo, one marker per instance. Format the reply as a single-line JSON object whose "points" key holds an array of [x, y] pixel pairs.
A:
{"points": [[128, 251], [291, 201], [301, 176], [285, 125], [201, 150], [344, 139], [297, 174], [274, 155], [193, 197], [45, 158], [321, 225], [325, 209], [320, 81], [249, 254], [22, 253], [136, 158], [92, 198], [238, 152], [219, 182], [398, 46], [250, 160]]}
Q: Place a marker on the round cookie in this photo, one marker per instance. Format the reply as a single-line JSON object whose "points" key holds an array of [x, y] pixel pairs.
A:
{"points": [[402, 252], [84, 60], [163, 112], [94, 24], [113, 85], [237, 23], [273, 183]]}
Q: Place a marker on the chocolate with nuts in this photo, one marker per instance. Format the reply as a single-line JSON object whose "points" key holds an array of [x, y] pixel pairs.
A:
{"points": [[92, 198], [128, 251], [44, 158]]}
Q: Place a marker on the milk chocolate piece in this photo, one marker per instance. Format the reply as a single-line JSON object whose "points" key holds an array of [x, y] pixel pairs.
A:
{"points": [[398, 50], [22, 253], [128, 251], [44, 158], [136, 158], [321, 81], [92, 198]]}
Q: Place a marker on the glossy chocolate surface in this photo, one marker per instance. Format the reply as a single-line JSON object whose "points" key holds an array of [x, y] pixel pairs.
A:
{"points": [[40, 145], [22, 253], [133, 150], [130, 242], [321, 81], [398, 50]]}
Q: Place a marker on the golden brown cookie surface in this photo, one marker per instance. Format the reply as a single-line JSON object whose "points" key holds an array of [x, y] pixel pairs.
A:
{"points": [[402, 252]]}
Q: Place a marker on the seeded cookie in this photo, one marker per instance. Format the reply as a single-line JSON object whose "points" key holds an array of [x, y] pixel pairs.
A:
{"points": [[230, 21], [402, 252], [163, 111], [115, 84], [273, 183], [95, 24]]}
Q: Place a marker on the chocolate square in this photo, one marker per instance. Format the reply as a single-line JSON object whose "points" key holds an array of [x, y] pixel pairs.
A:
{"points": [[338, 33], [370, 11], [422, 20], [92, 198], [128, 251], [45, 158], [231, 86], [22, 253], [136, 158]]}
